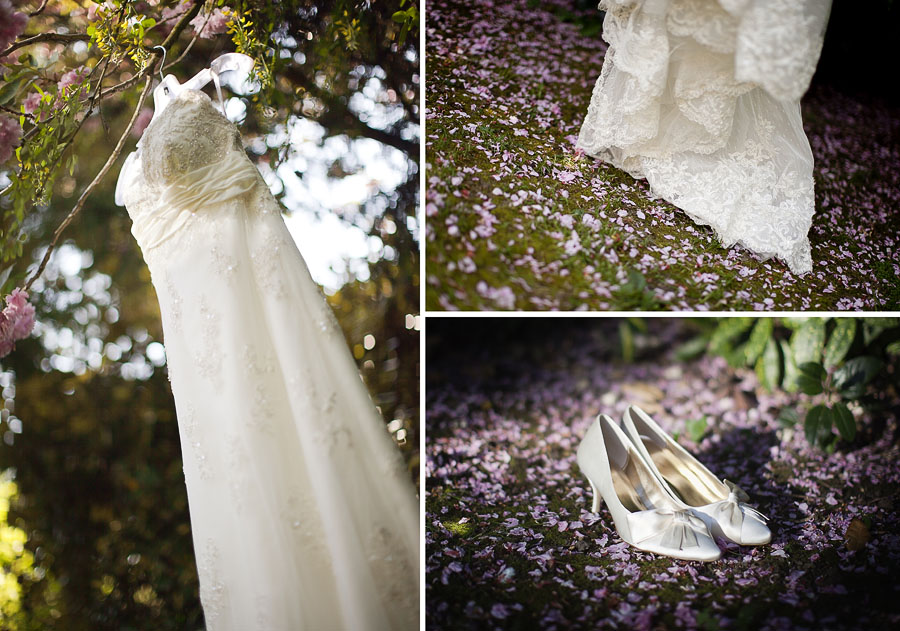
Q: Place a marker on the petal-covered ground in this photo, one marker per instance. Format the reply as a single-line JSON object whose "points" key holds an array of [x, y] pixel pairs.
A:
{"points": [[510, 539], [517, 219]]}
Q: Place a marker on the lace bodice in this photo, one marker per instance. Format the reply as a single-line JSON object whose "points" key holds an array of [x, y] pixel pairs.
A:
{"points": [[190, 162], [190, 133]]}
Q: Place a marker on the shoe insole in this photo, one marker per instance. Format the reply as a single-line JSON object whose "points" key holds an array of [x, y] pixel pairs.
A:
{"points": [[636, 486], [696, 486]]}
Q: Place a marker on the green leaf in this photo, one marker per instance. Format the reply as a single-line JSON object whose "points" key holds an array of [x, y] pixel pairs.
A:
{"points": [[9, 90], [736, 357], [399, 17], [691, 349], [789, 383], [636, 281], [840, 341], [768, 366], [810, 378], [808, 340], [728, 329], [809, 386], [148, 23], [817, 424], [788, 417], [793, 323], [627, 338], [760, 335], [4, 275], [696, 428], [844, 421], [893, 348], [873, 327], [813, 370], [851, 378], [638, 324]]}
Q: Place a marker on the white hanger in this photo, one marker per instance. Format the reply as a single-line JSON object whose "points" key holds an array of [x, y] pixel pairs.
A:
{"points": [[232, 65]]}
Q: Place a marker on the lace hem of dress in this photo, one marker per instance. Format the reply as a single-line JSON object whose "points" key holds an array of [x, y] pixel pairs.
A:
{"points": [[696, 97]]}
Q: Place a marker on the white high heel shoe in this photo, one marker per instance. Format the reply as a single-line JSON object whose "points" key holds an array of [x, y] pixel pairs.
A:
{"points": [[719, 503], [645, 514]]}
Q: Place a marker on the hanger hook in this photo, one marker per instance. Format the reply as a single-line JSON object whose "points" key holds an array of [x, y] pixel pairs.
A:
{"points": [[163, 49]]}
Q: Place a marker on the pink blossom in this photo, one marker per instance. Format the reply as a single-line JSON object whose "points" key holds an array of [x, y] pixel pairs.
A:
{"points": [[18, 299], [16, 320], [142, 121], [31, 103], [215, 24], [72, 77], [92, 11], [10, 135], [6, 344], [170, 12], [12, 24]]}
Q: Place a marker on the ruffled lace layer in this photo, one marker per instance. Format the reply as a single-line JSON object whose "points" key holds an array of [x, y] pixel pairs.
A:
{"points": [[702, 99]]}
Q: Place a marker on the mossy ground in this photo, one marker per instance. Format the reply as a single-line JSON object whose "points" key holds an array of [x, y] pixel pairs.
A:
{"points": [[507, 88]]}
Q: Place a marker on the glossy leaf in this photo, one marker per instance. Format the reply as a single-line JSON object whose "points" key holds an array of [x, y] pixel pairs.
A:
{"points": [[768, 367], [817, 424], [840, 341], [851, 378], [627, 339], [696, 428], [788, 417], [789, 382], [808, 340], [761, 334], [844, 421], [811, 377], [691, 349], [873, 327], [9, 90], [728, 330]]}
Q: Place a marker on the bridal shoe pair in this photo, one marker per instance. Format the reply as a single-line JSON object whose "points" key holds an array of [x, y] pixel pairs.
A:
{"points": [[661, 498]]}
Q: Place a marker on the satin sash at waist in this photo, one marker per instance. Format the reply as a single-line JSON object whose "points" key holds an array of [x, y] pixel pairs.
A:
{"points": [[191, 193]]}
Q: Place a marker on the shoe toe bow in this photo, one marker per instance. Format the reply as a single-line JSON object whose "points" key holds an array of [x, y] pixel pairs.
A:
{"points": [[740, 522], [675, 533]]}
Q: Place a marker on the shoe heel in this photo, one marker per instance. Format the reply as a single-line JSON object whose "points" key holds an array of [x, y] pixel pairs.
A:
{"points": [[598, 499]]}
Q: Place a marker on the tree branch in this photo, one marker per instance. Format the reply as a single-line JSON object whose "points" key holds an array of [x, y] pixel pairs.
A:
{"points": [[39, 10], [90, 187], [59, 38], [188, 47], [173, 35], [384, 59], [338, 112], [10, 110]]}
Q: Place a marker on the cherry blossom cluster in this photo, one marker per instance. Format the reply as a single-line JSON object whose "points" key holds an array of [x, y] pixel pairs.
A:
{"points": [[16, 321]]}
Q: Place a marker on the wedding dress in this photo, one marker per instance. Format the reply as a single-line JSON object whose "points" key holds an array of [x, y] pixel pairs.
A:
{"points": [[701, 98], [302, 514]]}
